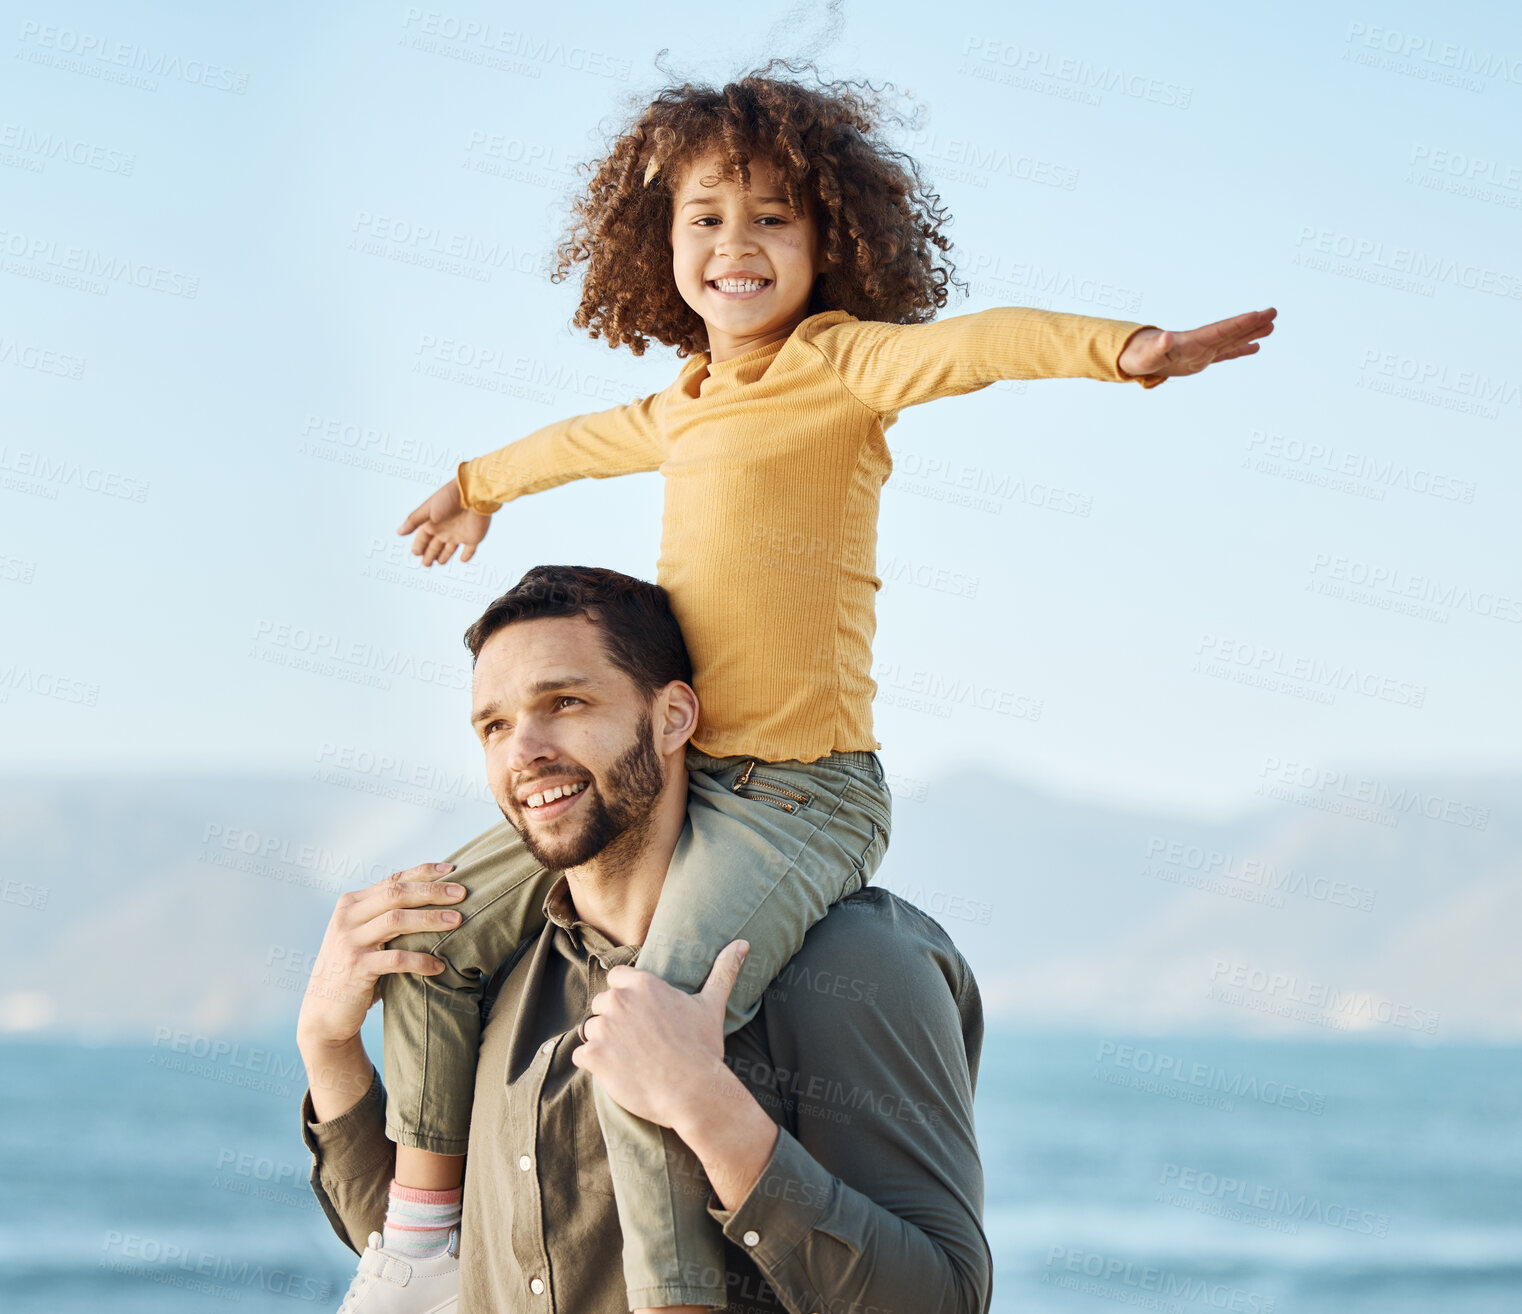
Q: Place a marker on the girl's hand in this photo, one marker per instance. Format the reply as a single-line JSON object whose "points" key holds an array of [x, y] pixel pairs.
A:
{"points": [[1159, 351], [444, 523]]}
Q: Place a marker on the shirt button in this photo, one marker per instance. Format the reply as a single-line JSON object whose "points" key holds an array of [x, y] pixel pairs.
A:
{"points": [[548, 1047], [537, 1287], [751, 1238], [524, 1162]]}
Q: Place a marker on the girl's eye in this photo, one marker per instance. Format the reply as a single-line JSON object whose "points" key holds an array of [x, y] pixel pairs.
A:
{"points": [[710, 220]]}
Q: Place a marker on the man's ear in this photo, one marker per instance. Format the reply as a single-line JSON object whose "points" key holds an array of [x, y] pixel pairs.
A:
{"points": [[674, 716]]}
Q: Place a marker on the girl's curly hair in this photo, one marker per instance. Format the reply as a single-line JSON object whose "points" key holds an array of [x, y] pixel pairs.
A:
{"points": [[880, 227]]}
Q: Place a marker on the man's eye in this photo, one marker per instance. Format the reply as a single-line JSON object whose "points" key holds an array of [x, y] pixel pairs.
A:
{"points": [[566, 698]]}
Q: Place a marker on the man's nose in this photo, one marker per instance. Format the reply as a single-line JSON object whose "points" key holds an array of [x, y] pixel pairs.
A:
{"points": [[529, 745]]}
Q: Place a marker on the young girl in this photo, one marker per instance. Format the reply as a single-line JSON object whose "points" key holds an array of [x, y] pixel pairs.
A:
{"points": [[795, 262]]}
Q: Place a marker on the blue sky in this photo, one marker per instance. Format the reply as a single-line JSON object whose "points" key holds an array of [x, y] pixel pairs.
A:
{"points": [[1306, 560]]}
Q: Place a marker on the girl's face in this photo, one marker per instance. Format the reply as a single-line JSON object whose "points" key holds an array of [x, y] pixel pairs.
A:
{"points": [[741, 260]]}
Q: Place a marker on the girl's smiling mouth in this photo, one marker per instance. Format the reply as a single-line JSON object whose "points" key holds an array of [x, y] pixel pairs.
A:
{"points": [[739, 286]]}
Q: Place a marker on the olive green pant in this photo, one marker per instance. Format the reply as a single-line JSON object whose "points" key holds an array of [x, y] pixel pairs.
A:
{"points": [[765, 850]]}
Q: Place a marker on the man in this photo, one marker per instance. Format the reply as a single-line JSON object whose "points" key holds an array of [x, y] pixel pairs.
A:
{"points": [[832, 1137]]}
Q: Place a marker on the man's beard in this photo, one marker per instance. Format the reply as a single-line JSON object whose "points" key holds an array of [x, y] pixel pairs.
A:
{"points": [[619, 821]]}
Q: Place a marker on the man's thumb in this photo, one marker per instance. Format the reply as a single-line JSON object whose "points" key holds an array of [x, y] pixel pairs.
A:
{"points": [[726, 969]]}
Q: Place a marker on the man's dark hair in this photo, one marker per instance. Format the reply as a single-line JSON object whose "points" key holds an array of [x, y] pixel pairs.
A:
{"points": [[639, 632]]}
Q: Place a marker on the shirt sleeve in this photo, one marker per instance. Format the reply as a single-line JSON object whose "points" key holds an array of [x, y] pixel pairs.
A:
{"points": [[877, 1200], [353, 1163], [621, 440], [890, 366]]}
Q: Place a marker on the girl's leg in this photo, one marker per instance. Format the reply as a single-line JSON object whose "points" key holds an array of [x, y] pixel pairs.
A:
{"points": [[766, 849], [433, 1023], [432, 1027], [423, 1170]]}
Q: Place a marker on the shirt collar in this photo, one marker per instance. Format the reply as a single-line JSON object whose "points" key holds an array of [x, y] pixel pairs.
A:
{"points": [[561, 910]]}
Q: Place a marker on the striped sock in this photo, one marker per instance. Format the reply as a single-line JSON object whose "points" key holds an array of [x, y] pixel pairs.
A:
{"points": [[418, 1222]]}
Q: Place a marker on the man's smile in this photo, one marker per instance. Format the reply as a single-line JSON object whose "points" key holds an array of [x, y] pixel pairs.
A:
{"points": [[549, 802]]}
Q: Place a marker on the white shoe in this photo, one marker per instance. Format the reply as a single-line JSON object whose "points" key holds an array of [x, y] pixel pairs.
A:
{"points": [[388, 1283]]}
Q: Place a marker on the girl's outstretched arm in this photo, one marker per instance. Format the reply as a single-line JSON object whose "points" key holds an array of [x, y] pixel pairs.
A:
{"points": [[1159, 351], [892, 366], [620, 440]]}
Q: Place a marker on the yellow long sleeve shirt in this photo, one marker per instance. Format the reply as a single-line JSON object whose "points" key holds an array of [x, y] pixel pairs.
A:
{"points": [[774, 463]]}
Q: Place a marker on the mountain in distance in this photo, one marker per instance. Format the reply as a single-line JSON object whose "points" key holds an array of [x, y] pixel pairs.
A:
{"points": [[195, 904], [1288, 919]]}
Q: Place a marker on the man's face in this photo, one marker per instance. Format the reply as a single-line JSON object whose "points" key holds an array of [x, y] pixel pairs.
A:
{"points": [[741, 259], [558, 719]]}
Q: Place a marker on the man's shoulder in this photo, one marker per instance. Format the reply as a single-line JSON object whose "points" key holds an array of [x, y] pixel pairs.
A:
{"points": [[875, 976], [876, 911], [878, 935]]}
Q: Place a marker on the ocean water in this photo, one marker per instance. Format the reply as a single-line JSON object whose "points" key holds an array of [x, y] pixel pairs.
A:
{"points": [[1300, 1178], [1177, 1174]]}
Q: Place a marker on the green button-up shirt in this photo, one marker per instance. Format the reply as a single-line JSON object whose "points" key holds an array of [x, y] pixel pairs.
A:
{"points": [[864, 1052]]}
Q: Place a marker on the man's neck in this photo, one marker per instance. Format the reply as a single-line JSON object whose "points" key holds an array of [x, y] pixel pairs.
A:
{"points": [[617, 891]]}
